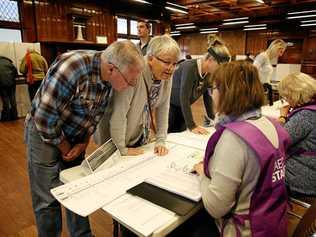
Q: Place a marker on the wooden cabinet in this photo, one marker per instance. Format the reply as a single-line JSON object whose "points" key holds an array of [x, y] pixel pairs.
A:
{"points": [[47, 21]]}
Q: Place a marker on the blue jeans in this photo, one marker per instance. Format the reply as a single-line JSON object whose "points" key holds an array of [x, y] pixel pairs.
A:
{"points": [[44, 164]]}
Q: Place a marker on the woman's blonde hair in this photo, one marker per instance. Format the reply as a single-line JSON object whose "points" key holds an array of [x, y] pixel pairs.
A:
{"points": [[275, 46], [298, 88], [217, 49]]}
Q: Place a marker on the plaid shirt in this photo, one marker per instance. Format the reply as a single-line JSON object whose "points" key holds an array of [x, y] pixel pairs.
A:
{"points": [[71, 99]]}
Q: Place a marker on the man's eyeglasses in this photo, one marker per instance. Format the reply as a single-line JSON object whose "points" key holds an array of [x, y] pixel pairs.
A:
{"points": [[166, 63], [130, 83]]}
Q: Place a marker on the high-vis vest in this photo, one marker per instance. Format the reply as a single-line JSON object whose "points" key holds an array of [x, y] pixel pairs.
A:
{"points": [[268, 203]]}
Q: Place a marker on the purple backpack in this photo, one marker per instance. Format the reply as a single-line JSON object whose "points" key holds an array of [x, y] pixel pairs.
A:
{"points": [[268, 204]]}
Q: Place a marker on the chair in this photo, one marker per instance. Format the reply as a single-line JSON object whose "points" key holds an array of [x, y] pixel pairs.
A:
{"points": [[307, 226], [268, 92], [306, 217]]}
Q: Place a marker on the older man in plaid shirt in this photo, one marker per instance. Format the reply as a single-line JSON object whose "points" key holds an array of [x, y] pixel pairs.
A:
{"points": [[64, 113]]}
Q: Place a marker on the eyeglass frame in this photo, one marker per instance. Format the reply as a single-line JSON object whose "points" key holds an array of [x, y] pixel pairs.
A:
{"points": [[211, 89], [165, 62], [125, 79]]}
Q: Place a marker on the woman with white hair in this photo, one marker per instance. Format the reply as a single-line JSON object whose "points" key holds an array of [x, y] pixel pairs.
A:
{"points": [[142, 109], [263, 63], [299, 118]]}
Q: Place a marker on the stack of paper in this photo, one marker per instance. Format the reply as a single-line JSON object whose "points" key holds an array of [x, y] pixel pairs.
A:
{"points": [[139, 215], [86, 195]]}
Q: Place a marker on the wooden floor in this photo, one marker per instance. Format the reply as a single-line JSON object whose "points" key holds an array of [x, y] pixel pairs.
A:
{"points": [[16, 215]]}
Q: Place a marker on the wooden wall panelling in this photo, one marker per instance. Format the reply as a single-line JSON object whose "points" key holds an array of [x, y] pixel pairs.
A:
{"points": [[256, 42], [309, 54], [41, 20], [98, 24], [293, 53], [63, 21], [27, 22], [111, 27], [309, 49], [194, 44], [54, 21], [161, 28], [47, 29], [235, 41]]}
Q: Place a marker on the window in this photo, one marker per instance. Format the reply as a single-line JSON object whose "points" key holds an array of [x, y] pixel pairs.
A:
{"points": [[121, 26], [127, 29], [133, 27], [10, 21], [10, 35], [9, 11]]}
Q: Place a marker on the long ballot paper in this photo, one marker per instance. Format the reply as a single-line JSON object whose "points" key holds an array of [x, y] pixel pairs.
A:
{"points": [[85, 195], [106, 187]]}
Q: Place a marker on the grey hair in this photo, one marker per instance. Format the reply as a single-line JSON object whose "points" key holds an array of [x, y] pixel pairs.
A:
{"points": [[124, 54], [163, 44], [299, 88]]}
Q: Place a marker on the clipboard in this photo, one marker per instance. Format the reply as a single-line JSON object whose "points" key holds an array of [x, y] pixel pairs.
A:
{"points": [[173, 202]]}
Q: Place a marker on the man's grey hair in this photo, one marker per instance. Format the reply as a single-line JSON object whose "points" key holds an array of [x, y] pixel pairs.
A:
{"points": [[163, 44], [124, 55]]}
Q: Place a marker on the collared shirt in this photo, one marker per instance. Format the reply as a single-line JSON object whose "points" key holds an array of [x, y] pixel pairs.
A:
{"points": [[223, 119], [72, 98], [143, 48]]}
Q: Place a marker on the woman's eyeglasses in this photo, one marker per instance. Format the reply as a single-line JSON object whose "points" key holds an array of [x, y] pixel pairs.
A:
{"points": [[166, 63], [211, 89]]}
